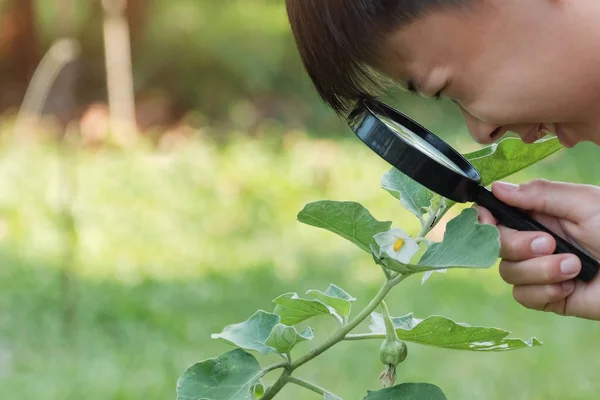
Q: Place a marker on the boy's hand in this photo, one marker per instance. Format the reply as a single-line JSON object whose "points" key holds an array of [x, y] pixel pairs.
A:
{"points": [[543, 281]]}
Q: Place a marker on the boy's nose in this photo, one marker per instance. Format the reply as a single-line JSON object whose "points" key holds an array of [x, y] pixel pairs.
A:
{"points": [[482, 132]]}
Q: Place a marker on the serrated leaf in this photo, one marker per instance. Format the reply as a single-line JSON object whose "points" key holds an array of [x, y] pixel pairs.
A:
{"points": [[349, 220], [408, 391], [283, 338], [252, 333], [413, 196], [230, 376], [335, 298], [443, 332], [509, 156], [466, 244], [292, 309]]}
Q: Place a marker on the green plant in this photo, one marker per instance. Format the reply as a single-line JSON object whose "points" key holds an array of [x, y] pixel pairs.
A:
{"points": [[237, 375]]}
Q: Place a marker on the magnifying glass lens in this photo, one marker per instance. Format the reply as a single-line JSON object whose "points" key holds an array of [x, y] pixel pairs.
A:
{"points": [[420, 144]]}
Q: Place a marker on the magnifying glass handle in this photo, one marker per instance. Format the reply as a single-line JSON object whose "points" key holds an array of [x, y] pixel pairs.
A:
{"points": [[517, 219]]}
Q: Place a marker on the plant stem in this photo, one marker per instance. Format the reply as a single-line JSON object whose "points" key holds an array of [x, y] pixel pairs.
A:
{"points": [[272, 367], [387, 273], [364, 336], [308, 385], [390, 331], [341, 334], [278, 385], [427, 226], [343, 331], [338, 319], [434, 215]]}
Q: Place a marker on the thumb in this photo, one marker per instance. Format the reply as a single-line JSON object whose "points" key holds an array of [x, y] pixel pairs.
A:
{"points": [[562, 200]]}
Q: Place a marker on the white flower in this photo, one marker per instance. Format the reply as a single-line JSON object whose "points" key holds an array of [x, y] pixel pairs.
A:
{"points": [[397, 244]]}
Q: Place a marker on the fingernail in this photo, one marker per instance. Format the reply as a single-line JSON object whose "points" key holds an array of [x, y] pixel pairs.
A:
{"points": [[506, 186], [541, 245], [568, 286], [569, 266]]}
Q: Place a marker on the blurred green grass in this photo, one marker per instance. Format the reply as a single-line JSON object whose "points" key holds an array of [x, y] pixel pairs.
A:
{"points": [[173, 246]]}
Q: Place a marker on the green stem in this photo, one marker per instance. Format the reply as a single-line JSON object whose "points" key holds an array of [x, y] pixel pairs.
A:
{"points": [[343, 331], [278, 385], [390, 331], [272, 367], [309, 386], [434, 215], [365, 336], [387, 273], [427, 227], [338, 319]]}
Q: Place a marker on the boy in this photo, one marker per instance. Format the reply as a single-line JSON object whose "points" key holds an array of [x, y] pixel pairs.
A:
{"points": [[530, 67]]}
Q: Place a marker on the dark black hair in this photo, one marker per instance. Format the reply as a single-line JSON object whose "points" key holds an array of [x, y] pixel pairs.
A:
{"points": [[338, 39]]}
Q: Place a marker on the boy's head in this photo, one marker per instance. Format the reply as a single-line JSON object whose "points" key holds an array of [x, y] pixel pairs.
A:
{"points": [[523, 66]]}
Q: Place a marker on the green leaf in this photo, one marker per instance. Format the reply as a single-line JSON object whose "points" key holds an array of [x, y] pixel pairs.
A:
{"points": [[466, 244], [230, 376], [408, 391], [335, 298], [293, 309], [413, 196], [339, 293], [252, 333], [443, 332], [264, 333], [348, 219], [509, 156], [283, 338]]}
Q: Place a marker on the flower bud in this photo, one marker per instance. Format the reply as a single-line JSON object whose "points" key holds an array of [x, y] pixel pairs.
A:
{"points": [[392, 351]]}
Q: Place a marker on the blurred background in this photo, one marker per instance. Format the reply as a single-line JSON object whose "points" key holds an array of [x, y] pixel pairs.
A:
{"points": [[153, 157]]}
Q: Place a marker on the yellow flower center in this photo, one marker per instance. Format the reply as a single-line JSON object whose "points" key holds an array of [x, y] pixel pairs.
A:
{"points": [[399, 244]]}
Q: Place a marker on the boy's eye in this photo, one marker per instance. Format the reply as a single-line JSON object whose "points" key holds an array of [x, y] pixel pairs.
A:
{"points": [[412, 88]]}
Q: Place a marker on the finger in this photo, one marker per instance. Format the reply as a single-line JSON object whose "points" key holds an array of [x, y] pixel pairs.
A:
{"points": [[485, 216], [549, 222], [543, 297], [552, 198], [519, 246], [541, 270]]}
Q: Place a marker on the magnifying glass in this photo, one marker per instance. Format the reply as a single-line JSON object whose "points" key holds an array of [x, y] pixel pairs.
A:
{"points": [[424, 157]]}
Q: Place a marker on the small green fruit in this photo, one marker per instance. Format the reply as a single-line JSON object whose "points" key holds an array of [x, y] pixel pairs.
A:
{"points": [[393, 352]]}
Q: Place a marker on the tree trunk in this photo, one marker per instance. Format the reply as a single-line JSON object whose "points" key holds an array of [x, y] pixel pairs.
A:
{"points": [[19, 50]]}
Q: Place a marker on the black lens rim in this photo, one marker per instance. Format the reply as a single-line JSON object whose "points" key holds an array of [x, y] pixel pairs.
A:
{"points": [[373, 132]]}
